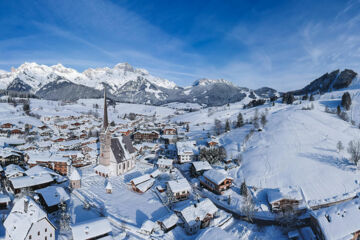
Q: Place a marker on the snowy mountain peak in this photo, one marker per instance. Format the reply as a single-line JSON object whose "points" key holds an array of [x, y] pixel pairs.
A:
{"points": [[206, 81]]}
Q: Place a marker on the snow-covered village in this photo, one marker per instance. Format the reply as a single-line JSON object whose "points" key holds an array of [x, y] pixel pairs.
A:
{"points": [[212, 120]]}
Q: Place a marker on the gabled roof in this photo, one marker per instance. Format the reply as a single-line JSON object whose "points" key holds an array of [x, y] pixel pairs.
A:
{"points": [[91, 228], [216, 176], [201, 165], [21, 218], [274, 195], [179, 185], [53, 195], [122, 148], [339, 221]]}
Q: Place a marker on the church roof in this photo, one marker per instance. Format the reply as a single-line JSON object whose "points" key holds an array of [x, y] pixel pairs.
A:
{"points": [[118, 150], [122, 148]]}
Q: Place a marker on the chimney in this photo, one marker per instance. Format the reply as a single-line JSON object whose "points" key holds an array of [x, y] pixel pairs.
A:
{"points": [[26, 205], [86, 230]]}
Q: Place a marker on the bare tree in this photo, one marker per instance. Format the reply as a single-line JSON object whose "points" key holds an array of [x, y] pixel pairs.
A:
{"points": [[339, 146], [263, 120], [354, 151]]}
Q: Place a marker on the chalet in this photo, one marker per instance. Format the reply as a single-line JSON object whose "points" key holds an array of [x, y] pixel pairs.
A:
{"points": [[169, 131], [142, 184], [145, 136], [197, 216], [19, 184], [28, 221], [125, 132], [339, 221], [168, 223], [55, 162], [43, 127], [165, 164], [187, 151], [9, 156], [52, 197], [98, 228], [16, 132], [6, 125], [178, 190], [216, 181], [285, 199], [213, 142], [13, 170], [199, 167]]}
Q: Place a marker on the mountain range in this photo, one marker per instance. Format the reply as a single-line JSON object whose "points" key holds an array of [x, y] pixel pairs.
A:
{"points": [[125, 83]]}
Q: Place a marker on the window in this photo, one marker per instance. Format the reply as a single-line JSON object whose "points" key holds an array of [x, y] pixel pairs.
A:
{"points": [[50, 234], [29, 236], [45, 238], [45, 229], [38, 233]]}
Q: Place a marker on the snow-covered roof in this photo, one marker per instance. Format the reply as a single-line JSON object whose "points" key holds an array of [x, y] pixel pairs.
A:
{"points": [[74, 176], [102, 169], [144, 186], [201, 165], [108, 186], [155, 173], [170, 221], [179, 185], [24, 213], [13, 169], [187, 147], [339, 221], [53, 195], [165, 162], [91, 229], [274, 195], [7, 152], [30, 181], [38, 170], [198, 211], [216, 176], [148, 226], [141, 179]]}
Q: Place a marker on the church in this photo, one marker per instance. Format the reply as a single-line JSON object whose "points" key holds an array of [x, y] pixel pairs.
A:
{"points": [[117, 154]]}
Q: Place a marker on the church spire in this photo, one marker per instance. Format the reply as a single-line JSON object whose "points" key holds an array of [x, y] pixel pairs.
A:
{"points": [[105, 119]]}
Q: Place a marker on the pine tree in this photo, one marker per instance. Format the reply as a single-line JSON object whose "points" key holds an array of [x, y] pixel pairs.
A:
{"points": [[187, 128], [263, 120], [240, 120], [227, 126], [312, 97], [243, 189], [338, 110], [346, 100]]}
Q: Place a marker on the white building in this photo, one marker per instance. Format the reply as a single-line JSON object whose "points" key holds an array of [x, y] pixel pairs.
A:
{"points": [[75, 178], [187, 151], [117, 155], [178, 190], [165, 164], [28, 221]]}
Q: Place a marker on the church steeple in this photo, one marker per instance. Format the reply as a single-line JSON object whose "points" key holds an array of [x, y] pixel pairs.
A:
{"points": [[105, 119]]}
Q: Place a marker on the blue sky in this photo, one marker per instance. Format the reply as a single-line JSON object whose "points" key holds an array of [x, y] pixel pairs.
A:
{"points": [[281, 44]]}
